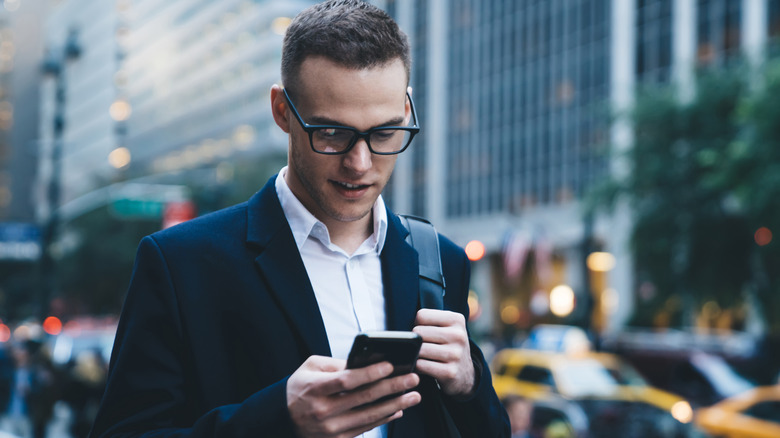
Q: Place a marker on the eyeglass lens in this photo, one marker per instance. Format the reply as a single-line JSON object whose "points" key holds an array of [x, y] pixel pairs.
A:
{"points": [[383, 141]]}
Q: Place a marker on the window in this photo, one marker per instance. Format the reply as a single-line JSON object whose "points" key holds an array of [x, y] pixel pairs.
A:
{"points": [[535, 374]]}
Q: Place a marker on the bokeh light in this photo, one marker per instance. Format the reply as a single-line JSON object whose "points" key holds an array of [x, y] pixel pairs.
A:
{"points": [[600, 261], [562, 300], [5, 333], [52, 325], [609, 301], [475, 310], [120, 110], [682, 412], [763, 236], [510, 314], [279, 25], [119, 157], [475, 250]]}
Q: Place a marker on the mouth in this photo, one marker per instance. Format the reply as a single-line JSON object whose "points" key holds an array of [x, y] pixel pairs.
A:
{"points": [[350, 190]]}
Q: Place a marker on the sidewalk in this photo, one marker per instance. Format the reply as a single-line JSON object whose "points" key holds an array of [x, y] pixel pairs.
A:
{"points": [[58, 426]]}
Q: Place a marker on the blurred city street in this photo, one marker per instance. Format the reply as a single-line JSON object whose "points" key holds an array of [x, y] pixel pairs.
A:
{"points": [[610, 168]]}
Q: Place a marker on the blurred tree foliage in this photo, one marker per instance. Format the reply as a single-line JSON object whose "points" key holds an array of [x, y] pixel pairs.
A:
{"points": [[704, 176], [94, 276]]}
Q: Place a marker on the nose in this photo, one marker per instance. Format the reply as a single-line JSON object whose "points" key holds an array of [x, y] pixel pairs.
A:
{"points": [[358, 159]]}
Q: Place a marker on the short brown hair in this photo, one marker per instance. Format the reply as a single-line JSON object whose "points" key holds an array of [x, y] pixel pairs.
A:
{"points": [[351, 33]]}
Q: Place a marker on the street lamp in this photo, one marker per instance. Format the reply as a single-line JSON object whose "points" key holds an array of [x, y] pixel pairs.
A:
{"points": [[54, 67]]}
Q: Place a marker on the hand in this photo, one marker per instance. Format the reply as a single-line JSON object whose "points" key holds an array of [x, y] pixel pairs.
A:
{"points": [[326, 400], [445, 354]]}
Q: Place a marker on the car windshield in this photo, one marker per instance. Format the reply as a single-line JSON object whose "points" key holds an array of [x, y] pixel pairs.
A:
{"points": [[627, 375], [585, 378], [768, 411], [725, 380], [67, 347]]}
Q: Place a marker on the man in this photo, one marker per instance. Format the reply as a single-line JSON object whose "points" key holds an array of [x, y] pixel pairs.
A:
{"points": [[519, 410], [239, 323]]}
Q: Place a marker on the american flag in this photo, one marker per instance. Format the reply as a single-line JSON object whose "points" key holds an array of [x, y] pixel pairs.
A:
{"points": [[516, 246], [543, 250]]}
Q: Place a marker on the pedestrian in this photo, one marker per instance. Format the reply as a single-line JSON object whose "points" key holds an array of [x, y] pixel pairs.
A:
{"points": [[519, 410], [33, 392], [86, 380], [238, 323]]}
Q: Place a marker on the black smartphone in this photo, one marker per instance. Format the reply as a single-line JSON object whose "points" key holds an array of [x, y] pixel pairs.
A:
{"points": [[397, 347]]}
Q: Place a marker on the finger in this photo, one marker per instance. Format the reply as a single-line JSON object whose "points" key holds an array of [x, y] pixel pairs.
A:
{"points": [[324, 363], [441, 353], [359, 430], [347, 380], [369, 416], [440, 335], [438, 370], [375, 391], [440, 318]]}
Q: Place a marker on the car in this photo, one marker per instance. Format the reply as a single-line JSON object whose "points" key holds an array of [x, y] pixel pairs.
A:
{"points": [[754, 413], [558, 417], [614, 397], [702, 378], [557, 337], [83, 338]]}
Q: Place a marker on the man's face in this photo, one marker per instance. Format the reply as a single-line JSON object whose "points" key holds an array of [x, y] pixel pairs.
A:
{"points": [[343, 188]]}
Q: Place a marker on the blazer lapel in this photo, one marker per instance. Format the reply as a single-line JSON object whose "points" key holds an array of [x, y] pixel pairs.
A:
{"points": [[400, 273], [280, 265]]}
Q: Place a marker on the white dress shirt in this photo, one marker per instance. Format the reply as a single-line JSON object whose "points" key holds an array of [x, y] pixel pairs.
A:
{"points": [[348, 287]]}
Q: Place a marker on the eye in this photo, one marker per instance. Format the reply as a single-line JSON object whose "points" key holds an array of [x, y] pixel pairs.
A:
{"points": [[333, 134]]}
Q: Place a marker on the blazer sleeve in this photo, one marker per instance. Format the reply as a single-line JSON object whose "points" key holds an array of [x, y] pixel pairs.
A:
{"points": [[482, 415], [147, 393]]}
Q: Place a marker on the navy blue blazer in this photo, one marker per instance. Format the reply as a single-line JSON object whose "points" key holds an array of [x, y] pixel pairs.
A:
{"points": [[220, 312]]}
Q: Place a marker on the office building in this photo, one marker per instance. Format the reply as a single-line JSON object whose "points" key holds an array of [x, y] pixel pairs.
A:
{"points": [[515, 99], [20, 56], [156, 89]]}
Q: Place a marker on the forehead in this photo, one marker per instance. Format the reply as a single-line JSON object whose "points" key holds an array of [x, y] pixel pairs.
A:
{"points": [[321, 80]]}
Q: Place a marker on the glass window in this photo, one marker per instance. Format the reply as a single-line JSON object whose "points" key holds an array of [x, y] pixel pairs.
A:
{"points": [[535, 374], [768, 411]]}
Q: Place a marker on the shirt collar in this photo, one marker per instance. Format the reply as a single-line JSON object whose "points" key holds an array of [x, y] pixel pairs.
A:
{"points": [[303, 224]]}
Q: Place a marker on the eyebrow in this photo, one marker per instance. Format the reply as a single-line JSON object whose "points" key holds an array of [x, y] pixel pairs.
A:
{"points": [[315, 120]]}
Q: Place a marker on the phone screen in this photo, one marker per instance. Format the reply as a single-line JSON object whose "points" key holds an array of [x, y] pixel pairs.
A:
{"points": [[397, 347]]}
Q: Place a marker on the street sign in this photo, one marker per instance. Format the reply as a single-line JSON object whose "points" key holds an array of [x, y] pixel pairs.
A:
{"points": [[20, 241], [137, 208], [145, 201]]}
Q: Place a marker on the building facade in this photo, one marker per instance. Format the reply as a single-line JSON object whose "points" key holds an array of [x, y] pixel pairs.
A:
{"points": [[20, 51], [516, 100], [198, 78]]}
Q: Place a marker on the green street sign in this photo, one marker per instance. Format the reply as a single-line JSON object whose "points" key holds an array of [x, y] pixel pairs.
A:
{"points": [[138, 208], [144, 201]]}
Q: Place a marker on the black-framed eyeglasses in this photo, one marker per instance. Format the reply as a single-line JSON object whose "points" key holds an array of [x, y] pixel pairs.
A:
{"points": [[336, 140]]}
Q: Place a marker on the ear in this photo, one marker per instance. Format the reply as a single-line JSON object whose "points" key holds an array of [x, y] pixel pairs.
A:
{"points": [[279, 108]]}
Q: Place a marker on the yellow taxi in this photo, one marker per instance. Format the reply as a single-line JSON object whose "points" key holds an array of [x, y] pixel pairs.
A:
{"points": [[751, 414], [611, 392]]}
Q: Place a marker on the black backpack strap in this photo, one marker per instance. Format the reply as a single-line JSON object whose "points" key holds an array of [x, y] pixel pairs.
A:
{"points": [[424, 238]]}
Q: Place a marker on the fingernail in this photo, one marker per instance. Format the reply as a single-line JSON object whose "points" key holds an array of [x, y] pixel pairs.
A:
{"points": [[412, 397]]}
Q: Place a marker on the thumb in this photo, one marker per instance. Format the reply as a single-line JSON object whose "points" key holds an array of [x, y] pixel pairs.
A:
{"points": [[324, 363]]}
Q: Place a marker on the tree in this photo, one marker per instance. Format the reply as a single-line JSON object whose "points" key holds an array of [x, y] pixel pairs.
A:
{"points": [[755, 169], [690, 238]]}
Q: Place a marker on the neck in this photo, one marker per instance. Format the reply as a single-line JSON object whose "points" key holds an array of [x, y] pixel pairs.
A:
{"points": [[350, 235]]}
